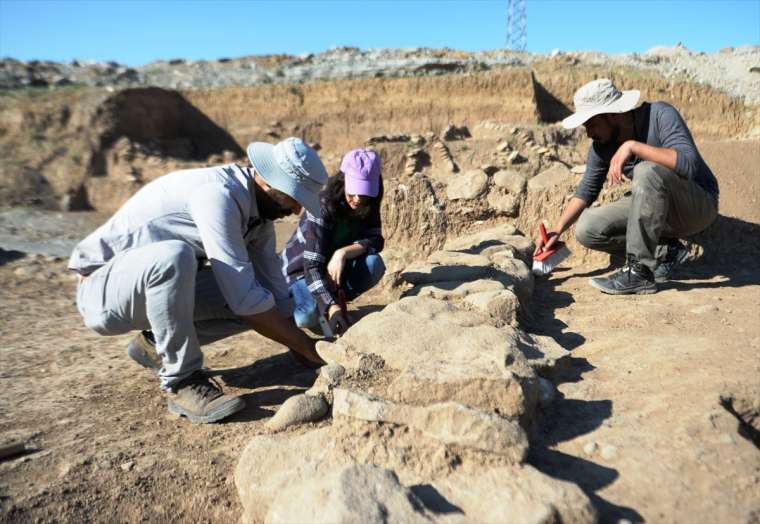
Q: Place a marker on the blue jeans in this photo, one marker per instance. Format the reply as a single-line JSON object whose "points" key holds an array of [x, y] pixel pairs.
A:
{"points": [[359, 275]]}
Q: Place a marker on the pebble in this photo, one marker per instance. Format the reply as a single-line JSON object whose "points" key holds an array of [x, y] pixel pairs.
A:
{"points": [[707, 308], [128, 466], [590, 449], [578, 170], [609, 452]]}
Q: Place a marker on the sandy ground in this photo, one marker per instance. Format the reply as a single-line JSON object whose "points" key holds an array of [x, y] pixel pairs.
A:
{"points": [[638, 424]]}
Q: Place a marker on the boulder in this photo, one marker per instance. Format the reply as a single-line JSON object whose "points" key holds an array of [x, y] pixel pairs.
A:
{"points": [[514, 272], [454, 289], [556, 176], [270, 463], [512, 181], [444, 266], [455, 258], [501, 305], [449, 422], [297, 410], [542, 352], [350, 494], [467, 185], [329, 377], [503, 204], [439, 353], [493, 240], [514, 494]]}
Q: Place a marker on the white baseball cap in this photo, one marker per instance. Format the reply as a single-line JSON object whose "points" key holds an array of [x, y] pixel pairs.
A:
{"points": [[598, 97]]}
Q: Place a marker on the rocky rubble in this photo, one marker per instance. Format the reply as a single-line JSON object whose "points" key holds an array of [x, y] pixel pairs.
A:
{"points": [[731, 70], [432, 402]]}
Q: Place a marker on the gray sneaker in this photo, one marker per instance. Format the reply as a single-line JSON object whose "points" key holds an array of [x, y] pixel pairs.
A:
{"points": [[633, 279], [142, 349], [201, 400], [676, 255]]}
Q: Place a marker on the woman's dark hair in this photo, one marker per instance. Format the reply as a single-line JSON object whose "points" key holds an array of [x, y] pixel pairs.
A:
{"points": [[334, 200]]}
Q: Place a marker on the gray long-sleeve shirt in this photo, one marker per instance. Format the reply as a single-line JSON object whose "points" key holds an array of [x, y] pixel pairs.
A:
{"points": [[214, 211], [659, 125]]}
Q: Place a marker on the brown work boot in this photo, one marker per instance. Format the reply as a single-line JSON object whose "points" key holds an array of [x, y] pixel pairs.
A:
{"points": [[201, 400], [142, 349]]}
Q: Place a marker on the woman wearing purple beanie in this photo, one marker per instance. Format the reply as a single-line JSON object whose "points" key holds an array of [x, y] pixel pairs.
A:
{"points": [[339, 249]]}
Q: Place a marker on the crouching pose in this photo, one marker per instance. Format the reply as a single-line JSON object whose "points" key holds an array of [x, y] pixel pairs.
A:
{"points": [[146, 268], [337, 248], [674, 193]]}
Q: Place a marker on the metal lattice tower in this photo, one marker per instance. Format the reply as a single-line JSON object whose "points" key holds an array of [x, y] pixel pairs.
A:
{"points": [[517, 25]]}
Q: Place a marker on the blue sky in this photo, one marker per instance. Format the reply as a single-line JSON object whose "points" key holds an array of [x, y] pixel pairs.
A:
{"points": [[135, 32]]}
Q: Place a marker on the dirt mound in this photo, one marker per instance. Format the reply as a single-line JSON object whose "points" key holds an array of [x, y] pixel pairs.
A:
{"points": [[76, 148], [82, 149]]}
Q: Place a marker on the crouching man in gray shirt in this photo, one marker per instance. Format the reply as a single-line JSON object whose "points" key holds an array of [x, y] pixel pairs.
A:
{"points": [[145, 268], [674, 193]]}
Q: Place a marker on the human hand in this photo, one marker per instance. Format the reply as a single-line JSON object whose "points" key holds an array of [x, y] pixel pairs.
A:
{"points": [[338, 322], [615, 172], [551, 238], [308, 356], [335, 266]]}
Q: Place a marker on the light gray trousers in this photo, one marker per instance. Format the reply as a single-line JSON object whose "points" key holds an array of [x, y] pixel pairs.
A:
{"points": [[660, 205], [158, 287]]}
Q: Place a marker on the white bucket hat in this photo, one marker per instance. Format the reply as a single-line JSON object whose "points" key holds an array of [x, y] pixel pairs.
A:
{"points": [[598, 97], [292, 167]]}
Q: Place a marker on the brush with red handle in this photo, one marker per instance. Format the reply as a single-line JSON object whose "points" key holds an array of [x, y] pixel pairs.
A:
{"points": [[550, 258]]}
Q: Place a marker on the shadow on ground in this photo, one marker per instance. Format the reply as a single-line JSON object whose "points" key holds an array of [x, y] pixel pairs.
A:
{"points": [[9, 256], [567, 419]]}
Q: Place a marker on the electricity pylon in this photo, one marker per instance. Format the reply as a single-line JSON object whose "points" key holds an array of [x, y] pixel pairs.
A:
{"points": [[517, 25]]}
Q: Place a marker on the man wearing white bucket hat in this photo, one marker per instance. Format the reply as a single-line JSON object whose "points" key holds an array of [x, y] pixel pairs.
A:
{"points": [[674, 193], [190, 258]]}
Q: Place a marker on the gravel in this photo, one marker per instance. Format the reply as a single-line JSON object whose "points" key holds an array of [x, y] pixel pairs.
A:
{"points": [[733, 70]]}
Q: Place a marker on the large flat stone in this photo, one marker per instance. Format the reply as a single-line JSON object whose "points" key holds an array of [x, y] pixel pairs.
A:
{"points": [[441, 353], [350, 494], [449, 422], [467, 185], [444, 266], [493, 240], [269, 464], [456, 289], [512, 181], [501, 305], [513, 494], [513, 271], [503, 204], [556, 176], [297, 478]]}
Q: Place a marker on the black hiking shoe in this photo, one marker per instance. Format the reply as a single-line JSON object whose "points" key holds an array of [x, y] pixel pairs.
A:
{"points": [[142, 349], [676, 255], [201, 400], [634, 278]]}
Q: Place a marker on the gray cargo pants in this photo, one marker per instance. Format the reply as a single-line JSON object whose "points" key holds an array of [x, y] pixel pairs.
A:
{"points": [[159, 287], [660, 205]]}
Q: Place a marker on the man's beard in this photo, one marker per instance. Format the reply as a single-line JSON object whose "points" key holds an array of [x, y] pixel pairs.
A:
{"points": [[268, 208]]}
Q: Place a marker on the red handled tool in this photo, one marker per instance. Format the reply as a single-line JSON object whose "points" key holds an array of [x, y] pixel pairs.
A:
{"points": [[548, 259]]}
